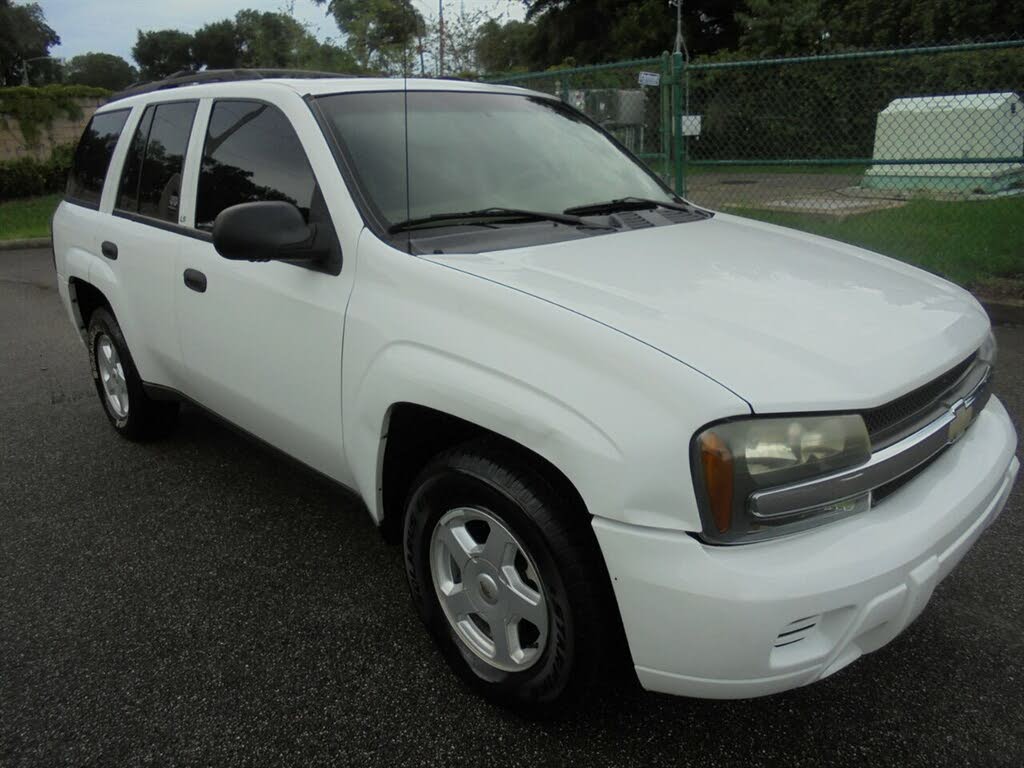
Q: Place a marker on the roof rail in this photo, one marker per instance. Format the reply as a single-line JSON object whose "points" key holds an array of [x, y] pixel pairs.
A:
{"points": [[186, 77]]}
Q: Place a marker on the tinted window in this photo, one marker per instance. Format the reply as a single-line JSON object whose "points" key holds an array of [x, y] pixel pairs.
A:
{"points": [[128, 193], [251, 153], [151, 182], [469, 150], [92, 156]]}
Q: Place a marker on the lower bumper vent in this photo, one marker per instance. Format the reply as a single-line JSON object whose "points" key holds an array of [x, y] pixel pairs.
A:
{"points": [[797, 630]]}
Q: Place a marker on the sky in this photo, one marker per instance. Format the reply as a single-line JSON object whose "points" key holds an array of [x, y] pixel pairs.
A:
{"points": [[110, 25]]}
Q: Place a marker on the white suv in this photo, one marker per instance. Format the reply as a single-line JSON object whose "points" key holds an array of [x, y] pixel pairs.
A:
{"points": [[602, 422]]}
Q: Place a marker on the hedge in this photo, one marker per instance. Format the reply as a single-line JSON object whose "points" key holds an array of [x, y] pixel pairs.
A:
{"points": [[27, 176]]}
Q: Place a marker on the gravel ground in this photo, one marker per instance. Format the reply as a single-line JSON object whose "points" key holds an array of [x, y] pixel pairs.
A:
{"points": [[199, 601]]}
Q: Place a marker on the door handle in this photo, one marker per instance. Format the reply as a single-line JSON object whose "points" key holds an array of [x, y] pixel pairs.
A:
{"points": [[109, 250], [195, 280]]}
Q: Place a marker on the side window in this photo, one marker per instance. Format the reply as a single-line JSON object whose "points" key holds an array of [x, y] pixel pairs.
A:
{"points": [[128, 192], [251, 153], [92, 156], [151, 179]]}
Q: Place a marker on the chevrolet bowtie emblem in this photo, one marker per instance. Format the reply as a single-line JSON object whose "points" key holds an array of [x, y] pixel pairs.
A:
{"points": [[963, 415]]}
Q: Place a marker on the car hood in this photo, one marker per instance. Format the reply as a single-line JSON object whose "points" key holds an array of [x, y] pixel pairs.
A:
{"points": [[786, 320]]}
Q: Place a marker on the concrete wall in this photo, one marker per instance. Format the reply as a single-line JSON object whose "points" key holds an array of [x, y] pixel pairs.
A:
{"points": [[62, 131]]}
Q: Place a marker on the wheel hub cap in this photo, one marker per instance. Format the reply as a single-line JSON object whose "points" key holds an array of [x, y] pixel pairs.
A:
{"points": [[489, 589]]}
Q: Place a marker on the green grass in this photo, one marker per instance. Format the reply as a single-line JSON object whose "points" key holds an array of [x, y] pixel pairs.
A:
{"points": [[695, 169], [966, 242], [27, 217]]}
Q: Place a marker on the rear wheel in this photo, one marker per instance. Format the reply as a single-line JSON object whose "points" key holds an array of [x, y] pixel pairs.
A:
{"points": [[131, 412], [507, 576]]}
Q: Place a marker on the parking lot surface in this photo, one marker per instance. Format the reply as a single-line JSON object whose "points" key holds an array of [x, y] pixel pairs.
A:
{"points": [[202, 601]]}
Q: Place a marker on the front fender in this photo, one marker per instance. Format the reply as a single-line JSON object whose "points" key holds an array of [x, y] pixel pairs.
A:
{"points": [[613, 414], [406, 372]]}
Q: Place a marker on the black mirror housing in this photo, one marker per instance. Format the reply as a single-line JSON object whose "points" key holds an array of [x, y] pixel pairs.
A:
{"points": [[266, 231]]}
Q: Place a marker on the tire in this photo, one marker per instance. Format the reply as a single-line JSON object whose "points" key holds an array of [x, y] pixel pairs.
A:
{"points": [[488, 483], [131, 412]]}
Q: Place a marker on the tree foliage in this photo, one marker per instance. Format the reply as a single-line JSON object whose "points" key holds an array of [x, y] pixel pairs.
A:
{"points": [[162, 53], [894, 23], [505, 47], [592, 31], [252, 39], [217, 45], [792, 27], [102, 70], [380, 34], [24, 35]]}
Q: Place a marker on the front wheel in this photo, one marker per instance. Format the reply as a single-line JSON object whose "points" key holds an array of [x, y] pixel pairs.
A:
{"points": [[508, 578]]}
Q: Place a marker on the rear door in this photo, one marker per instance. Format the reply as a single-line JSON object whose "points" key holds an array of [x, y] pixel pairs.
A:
{"points": [[146, 232], [78, 224], [262, 342]]}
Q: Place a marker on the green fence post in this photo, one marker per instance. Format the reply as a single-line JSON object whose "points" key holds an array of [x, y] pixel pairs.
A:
{"points": [[677, 124]]}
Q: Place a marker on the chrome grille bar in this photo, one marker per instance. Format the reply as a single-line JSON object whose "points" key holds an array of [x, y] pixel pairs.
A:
{"points": [[885, 465]]}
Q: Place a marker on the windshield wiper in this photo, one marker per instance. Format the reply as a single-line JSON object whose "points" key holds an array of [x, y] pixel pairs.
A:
{"points": [[487, 215], [627, 204]]}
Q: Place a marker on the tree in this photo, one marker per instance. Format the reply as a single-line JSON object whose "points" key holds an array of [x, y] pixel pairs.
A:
{"points": [[268, 39], [24, 35], [252, 39], [592, 31], [162, 53], [277, 40], [784, 27], [889, 23], [103, 70], [505, 47], [380, 34], [794, 27], [217, 45]]}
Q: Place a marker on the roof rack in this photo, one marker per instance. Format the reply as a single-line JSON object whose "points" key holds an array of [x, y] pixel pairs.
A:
{"points": [[186, 77]]}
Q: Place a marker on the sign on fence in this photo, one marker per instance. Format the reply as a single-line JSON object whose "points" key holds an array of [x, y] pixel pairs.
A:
{"points": [[649, 78]]}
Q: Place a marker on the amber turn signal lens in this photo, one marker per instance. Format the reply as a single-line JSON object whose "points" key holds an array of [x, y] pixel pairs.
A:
{"points": [[716, 461]]}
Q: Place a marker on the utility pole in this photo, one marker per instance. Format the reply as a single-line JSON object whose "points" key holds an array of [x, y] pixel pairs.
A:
{"points": [[680, 45], [440, 26]]}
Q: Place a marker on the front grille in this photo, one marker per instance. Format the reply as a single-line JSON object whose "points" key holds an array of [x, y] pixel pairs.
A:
{"points": [[888, 423], [883, 491]]}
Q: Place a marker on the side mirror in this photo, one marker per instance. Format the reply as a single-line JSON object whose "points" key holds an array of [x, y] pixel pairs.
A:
{"points": [[266, 231]]}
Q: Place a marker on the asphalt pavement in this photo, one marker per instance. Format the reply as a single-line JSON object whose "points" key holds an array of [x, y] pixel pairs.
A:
{"points": [[201, 601]]}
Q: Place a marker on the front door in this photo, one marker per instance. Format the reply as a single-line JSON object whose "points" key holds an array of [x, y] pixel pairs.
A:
{"points": [[262, 341]]}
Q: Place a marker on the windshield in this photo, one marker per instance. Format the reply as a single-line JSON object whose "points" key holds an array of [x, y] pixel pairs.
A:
{"points": [[475, 151]]}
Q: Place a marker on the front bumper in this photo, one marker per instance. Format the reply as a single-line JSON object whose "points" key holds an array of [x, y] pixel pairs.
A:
{"points": [[751, 620]]}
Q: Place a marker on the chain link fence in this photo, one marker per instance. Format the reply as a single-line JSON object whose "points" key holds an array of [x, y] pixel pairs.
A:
{"points": [[915, 153], [613, 95]]}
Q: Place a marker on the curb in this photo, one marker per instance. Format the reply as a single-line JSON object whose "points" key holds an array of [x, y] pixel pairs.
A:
{"points": [[1003, 312], [26, 243]]}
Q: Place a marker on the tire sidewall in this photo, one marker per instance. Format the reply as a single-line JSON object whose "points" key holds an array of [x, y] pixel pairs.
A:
{"points": [[102, 323], [447, 488]]}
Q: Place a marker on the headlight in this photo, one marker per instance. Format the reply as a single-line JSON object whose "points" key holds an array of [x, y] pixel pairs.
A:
{"points": [[989, 350], [734, 459]]}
